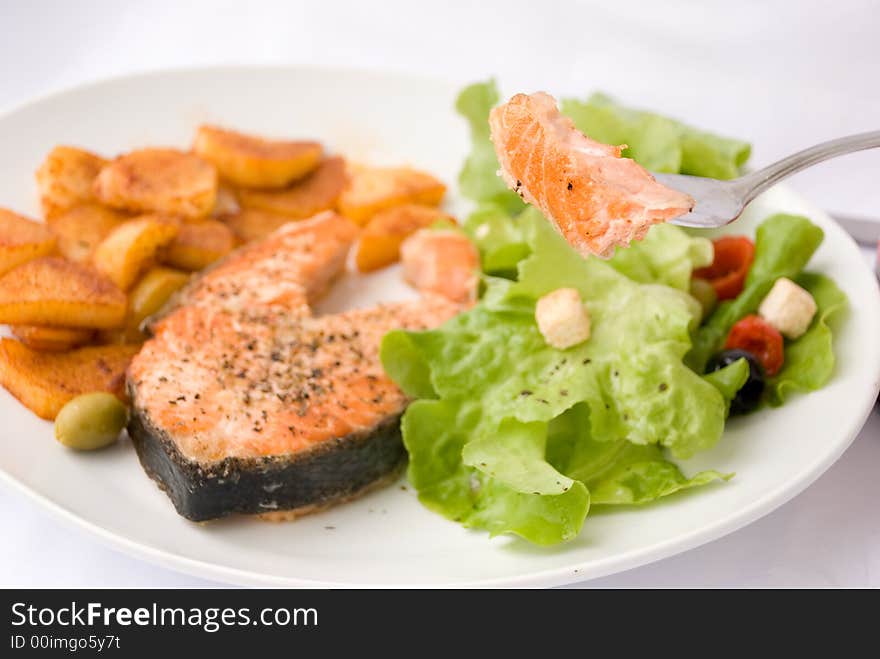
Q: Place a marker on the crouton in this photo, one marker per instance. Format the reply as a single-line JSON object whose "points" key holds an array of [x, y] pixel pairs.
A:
{"points": [[562, 318]]}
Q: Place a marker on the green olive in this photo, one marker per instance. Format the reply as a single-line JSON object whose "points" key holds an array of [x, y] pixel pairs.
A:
{"points": [[91, 421], [705, 294]]}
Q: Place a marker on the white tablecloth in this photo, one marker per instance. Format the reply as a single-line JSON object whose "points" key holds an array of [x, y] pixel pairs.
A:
{"points": [[781, 74]]}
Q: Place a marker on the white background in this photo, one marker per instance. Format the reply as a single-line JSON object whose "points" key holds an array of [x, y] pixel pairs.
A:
{"points": [[780, 74]]}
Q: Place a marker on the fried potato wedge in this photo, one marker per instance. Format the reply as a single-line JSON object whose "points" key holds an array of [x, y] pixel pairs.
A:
{"points": [[45, 381], [146, 298], [316, 192], [153, 291], [249, 224], [255, 162], [65, 178], [21, 240], [380, 240], [51, 339], [226, 202], [371, 189], [121, 336], [80, 229], [198, 244], [56, 292], [132, 246], [159, 180]]}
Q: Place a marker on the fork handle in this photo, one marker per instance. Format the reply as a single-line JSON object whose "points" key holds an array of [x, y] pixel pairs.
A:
{"points": [[754, 183]]}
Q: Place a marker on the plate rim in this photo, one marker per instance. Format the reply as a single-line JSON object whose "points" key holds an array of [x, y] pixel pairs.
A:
{"points": [[571, 573]]}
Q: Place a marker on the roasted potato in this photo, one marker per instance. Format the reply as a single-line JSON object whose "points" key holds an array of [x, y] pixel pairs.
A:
{"points": [[226, 202], [65, 178], [51, 339], [255, 162], [198, 245], [132, 246], [80, 229], [316, 192], [371, 189], [21, 240], [249, 224], [380, 241], [159, 180], [146, 298], [121, 336], [56, 292], [153, 291], [45, 381]]}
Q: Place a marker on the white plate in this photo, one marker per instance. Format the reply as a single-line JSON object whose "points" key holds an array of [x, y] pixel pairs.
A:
{"points": [[387, 538]]}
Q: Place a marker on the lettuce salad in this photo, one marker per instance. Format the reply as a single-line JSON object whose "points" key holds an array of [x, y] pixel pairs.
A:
{"points": [[510, 435]]}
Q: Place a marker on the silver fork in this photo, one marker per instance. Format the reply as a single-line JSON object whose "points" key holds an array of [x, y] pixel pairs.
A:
{"points": [[721, 202]]}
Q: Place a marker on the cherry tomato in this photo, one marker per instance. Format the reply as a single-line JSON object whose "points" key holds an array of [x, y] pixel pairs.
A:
{"points": [[733, 258], [755, 335]]}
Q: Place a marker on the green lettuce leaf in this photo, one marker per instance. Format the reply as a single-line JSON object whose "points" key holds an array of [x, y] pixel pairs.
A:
{"points": [[658, 143], [499, 238], [809, 360], [666, 255], [493, 392], [730, 379], [783, 246], [641, 475], [618, 472], [436, 434], [514, 454], [478, 179], [637, 343]]}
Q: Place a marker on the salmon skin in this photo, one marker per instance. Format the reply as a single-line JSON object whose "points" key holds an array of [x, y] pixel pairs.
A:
{"points": [[332, 472], [245, 402]]}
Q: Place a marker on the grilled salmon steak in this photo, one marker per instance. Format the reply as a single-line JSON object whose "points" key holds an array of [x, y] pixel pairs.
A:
{"points": [[595, 198], [243, 401]]}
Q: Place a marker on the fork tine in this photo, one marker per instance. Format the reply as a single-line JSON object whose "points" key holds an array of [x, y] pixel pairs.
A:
{"points": [[716, 203]]}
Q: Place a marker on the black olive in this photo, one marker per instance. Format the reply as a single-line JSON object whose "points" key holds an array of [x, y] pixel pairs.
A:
{"points": [[748, 397]]}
